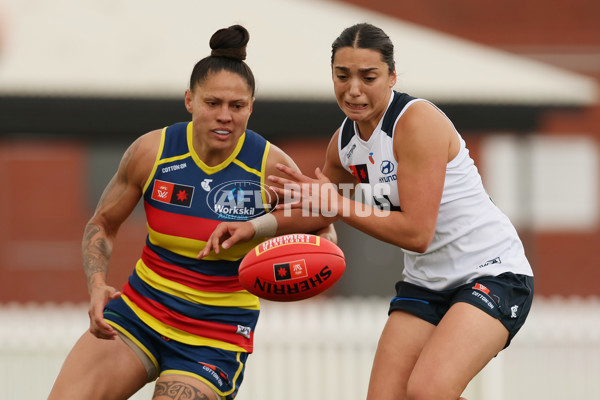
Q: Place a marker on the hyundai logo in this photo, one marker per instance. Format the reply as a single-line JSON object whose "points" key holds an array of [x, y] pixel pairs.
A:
{"points": [[386, 167]]}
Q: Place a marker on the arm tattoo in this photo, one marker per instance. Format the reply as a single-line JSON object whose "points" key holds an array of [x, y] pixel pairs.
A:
{"points": [[96, 246], [95, 250], [178, 391]]}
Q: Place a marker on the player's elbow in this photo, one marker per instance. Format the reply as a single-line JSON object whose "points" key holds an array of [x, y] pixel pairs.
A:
{"points": [[418, 241], [417, 247]]}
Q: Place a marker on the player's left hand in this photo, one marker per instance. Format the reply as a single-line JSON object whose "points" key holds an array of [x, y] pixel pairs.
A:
{"points": [[300, 191]]}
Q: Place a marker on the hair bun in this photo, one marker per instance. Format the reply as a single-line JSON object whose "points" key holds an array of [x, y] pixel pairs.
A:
{"points": [[230, 42]]}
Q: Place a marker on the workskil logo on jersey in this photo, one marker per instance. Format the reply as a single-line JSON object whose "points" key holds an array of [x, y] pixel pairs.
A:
{"points": [[172, 193], [240, 200]]}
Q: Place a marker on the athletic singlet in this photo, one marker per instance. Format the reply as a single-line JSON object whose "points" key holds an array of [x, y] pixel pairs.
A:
{"points": [[472, 238], [198, 302]]}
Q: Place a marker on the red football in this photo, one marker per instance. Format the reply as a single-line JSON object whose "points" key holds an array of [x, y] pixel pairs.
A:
{"points": [[292, 267]]}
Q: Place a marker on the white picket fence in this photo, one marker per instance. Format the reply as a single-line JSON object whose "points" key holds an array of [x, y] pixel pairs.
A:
{"points": [[323, 349]]}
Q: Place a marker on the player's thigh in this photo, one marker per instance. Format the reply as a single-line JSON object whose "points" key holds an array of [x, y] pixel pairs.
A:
{"points": [[175, 386], [99, 369], [464, 341], [399, 347]]}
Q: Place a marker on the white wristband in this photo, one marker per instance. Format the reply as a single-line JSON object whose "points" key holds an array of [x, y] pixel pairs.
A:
{"points": [[264, 226]]}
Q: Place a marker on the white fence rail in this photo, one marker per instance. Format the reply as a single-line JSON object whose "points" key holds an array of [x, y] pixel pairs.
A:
{"points": [[323, 349]]}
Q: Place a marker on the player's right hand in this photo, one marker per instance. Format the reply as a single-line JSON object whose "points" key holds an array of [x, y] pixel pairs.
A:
{"points": [[225, 235], [99, 297]]}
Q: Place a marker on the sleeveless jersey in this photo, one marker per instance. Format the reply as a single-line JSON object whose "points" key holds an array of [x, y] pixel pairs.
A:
{"points": [[472, 237], [198, 302]]}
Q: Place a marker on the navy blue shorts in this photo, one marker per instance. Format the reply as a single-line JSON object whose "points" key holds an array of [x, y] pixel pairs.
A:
{"points": [[506, 297], [220, 369]]}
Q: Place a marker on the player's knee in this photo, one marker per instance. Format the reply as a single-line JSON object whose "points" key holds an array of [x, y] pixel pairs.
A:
{"points": [[422, 389], [414, 392]]}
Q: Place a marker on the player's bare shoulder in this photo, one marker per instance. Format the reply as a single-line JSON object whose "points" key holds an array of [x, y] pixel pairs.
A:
{"points": [[423, 127], [139, 158], [278, 156]]}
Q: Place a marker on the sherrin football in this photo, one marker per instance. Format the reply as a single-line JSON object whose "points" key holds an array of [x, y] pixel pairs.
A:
{"points": [[292, 267]]}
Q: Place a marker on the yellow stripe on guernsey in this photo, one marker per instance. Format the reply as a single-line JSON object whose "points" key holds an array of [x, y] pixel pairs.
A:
{"points": [[177, 334], [247, 168], [161, 147], [263, 168], [240, 299], [207, 168], [191, 247], [260, 173]]}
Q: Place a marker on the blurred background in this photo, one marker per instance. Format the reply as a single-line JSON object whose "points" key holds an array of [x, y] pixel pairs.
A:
{"points": [[80, 80]]}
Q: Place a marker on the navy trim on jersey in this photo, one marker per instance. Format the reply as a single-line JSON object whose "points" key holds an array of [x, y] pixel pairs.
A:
{"points": [[347, 132], [248, 155], [174, 146], [389, 119]]}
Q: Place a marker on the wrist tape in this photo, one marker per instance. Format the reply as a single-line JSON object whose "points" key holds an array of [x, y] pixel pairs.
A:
{"points": [[264, 226]]}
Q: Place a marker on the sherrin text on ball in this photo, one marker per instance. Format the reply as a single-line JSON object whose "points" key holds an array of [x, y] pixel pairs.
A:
{"points": [[292, 267]]}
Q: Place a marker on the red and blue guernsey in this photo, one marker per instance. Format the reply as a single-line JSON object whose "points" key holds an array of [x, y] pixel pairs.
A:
{"points": [[198, 302]]}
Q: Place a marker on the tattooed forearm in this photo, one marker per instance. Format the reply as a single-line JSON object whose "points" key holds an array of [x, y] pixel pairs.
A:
{"points": [[178, 391], [96, 251]]}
